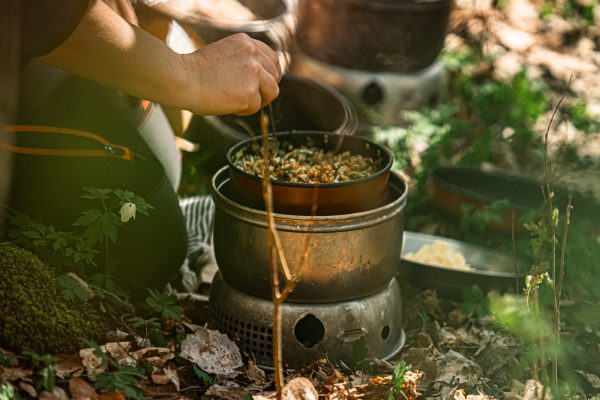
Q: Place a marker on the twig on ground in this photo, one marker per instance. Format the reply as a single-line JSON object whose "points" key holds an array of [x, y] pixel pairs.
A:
{"points": [[514, 248], [277, 257]]}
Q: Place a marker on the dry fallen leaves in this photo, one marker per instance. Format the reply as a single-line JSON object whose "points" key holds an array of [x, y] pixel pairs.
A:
{"points": [[212, 351], [166, 375], [296, 389], [460, 394], [81, 390], [56, 394], [69, 366]]}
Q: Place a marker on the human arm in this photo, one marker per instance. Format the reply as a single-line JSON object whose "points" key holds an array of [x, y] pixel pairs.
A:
{"points": [[235, 75]]}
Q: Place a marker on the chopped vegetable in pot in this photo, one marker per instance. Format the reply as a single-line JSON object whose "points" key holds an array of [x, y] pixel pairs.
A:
{"points": [[309, 165]]}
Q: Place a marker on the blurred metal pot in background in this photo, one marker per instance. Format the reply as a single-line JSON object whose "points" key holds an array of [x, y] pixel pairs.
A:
{"points": [[373, 35]]}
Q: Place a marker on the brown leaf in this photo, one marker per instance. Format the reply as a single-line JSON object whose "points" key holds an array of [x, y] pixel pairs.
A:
{"points": [[296, 389], [460, 394], [118, 395], [56, 394], [523, 14], [69, 366], [81, 390], [592, 379], [255, 374], [160, 379], [228, 390], [13, 374], [28, 388], [561, 66], [412, 379], [512, 38], [117, 350], [164, 376], [534, 391], [212, 351], [156, 356]]}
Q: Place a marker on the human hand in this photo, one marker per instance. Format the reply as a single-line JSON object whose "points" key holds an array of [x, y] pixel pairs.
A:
{"points": [[124, 9], [235, 75]]}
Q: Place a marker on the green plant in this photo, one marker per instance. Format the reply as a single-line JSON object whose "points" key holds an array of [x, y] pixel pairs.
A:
{"points": [[33, 313], [164, 304], [360, 352], [71, 290], [59, 248], [424, 317], [68, 250], [478, 219], [398, 380], [577, 113], [8, 392], [475, 302], [124, 378], [8, 359], [204, 376], [100, 224], [150, 326], [573, 9], [44, 367]]}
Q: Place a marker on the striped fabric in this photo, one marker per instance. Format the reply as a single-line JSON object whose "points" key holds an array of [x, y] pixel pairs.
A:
{"points": [[199, 214]]}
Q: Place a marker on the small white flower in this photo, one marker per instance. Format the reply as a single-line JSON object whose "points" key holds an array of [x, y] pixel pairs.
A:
{"points": [[127, 212]]}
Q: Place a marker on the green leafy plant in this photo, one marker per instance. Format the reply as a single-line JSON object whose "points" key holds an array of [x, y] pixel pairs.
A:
{"points": [[475, 302], [8, 359], [398, 379], [478, 219], [139, 323], [164, 304], [577, 113], [100, 224], [360, 352], [44, 367], [56, 247], [71, 290], [124, 378], [150, 328], [9, 392], [204, 376], [68, 250]]}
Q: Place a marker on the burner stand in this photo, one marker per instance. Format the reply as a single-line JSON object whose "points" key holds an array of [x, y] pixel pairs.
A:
{"points": [[309, 330], [386, 93]]}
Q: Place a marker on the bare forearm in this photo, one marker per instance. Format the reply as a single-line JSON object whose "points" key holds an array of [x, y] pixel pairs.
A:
{"points": [[107, 49], [236, 75]]}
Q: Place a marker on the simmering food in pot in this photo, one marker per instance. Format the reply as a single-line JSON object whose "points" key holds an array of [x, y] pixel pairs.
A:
{"points": [[308, 164]]}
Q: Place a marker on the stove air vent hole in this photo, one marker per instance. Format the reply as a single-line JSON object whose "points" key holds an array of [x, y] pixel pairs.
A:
{"points": [[309, 331], [385, 332], [372, 94]]}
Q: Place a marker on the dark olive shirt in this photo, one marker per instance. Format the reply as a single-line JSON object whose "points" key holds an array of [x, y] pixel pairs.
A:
{"points": [[45, 24]]}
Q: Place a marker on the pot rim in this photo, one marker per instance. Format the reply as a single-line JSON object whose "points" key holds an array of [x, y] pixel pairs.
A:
{"points": [[321, 223], [385, 169], [383, 5], [255, 26], [348, 127]]}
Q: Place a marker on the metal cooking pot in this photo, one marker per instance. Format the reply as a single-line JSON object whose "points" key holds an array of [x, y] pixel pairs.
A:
{"points": [[373, 35], [349, 256], [275, 26], [302, 104], [331, 198]]}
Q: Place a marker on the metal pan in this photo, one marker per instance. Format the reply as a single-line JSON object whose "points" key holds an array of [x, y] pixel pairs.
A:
{"points": [[489, 269], [451, 187], [332, 198]]}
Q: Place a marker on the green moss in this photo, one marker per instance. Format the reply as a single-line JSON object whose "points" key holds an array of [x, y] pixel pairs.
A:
{"points": [[33, 314]]}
